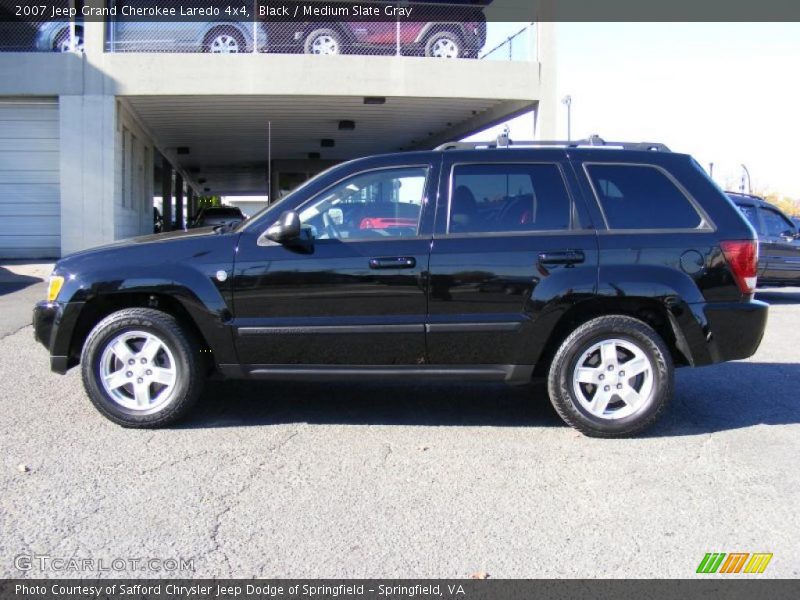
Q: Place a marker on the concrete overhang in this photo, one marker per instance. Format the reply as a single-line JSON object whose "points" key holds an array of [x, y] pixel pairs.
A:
{"points": [[219, 107], [225, 139]]}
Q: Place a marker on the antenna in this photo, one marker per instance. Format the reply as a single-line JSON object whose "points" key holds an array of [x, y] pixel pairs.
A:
{"points": [[269, 162]]}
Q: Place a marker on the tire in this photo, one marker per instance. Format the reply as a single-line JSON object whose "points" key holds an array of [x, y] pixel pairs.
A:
{"points": [[444, 44], [224, 40], [61, 41], [326, 42], [153, 391], [606, 402]]}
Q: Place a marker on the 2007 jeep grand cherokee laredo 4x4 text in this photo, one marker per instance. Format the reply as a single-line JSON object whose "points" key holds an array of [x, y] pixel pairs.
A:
{"points": [[598, 266]]}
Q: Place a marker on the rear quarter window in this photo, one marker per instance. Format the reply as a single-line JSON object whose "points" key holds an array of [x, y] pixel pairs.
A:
{"points": [[641, 197]]}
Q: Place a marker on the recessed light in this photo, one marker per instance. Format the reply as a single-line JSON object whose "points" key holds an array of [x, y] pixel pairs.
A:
{"points": [[202, 180], [347, 125], [374, 100], [314, 156], [183, 149], [327, 143]]}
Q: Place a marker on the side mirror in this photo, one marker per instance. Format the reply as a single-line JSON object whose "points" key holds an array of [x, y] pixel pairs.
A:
{"points": [[285, 229]]}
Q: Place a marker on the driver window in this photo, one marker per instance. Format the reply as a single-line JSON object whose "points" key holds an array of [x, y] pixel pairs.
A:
{"points": [[378, 204]]}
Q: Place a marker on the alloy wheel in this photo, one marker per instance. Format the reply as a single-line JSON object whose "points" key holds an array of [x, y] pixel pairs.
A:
{"points": [[138, 371], [325, 44], [224, 44], [444, 48], [613, 379]]}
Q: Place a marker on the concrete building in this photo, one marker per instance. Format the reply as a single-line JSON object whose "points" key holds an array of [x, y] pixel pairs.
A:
{"points": [[89, 137]]}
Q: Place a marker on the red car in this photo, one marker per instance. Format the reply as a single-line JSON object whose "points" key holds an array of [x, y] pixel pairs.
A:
{"points": [[442, 39]]}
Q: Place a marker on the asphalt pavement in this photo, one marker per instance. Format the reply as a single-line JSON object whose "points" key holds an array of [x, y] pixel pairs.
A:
{"points": [[398, 480]]}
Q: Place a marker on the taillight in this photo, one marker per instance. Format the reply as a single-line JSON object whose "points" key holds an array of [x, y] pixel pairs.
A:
{"points": [[742, 257]]}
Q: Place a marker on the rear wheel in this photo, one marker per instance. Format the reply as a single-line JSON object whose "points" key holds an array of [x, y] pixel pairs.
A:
{"points": [[612, 377], [323, 41], [445, 44], [141, 369]]}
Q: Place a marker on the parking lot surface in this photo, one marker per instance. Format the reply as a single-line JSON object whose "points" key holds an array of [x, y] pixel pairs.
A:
{"points": [[405, 480]]}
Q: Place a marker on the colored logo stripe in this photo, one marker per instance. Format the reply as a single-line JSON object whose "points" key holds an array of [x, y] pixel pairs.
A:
{"points": [[758, 563], [734, 563], [711, 562]]}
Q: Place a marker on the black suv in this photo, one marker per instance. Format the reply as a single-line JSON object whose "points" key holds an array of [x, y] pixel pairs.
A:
{"points": [[599, 268], [779, 258]]}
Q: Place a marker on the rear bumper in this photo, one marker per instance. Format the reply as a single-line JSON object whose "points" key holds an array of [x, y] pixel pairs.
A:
{"points": [[53, 323], [726, 331]]}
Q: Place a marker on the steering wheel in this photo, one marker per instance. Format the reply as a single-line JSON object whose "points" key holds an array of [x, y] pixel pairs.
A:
{"points": [[330, 227]]}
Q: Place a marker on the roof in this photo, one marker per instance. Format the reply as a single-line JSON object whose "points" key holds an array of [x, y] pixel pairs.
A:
{"points": [[749, 198]]}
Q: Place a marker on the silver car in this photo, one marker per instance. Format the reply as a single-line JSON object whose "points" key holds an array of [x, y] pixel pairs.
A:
{"points": [[55, 36], [218, 37]]}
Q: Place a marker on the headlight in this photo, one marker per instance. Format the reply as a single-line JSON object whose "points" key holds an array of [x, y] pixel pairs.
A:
{"points": [[53, 287]]}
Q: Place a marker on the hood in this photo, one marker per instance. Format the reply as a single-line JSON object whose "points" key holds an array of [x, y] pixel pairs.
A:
{"points": [[159, 247]]}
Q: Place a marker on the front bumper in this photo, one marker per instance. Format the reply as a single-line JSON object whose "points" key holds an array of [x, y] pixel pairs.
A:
{"points": [[53, 323], [725, 331]]}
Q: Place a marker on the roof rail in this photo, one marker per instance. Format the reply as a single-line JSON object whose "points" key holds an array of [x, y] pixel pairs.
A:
{"points": [[594, 141]]}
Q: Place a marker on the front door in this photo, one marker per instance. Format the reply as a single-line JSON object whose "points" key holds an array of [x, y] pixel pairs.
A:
{"points": [[506, 247], [780, 248], [357, 293]]}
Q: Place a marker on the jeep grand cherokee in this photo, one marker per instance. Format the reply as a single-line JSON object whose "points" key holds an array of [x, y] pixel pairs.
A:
{"points": [[597, 266]]}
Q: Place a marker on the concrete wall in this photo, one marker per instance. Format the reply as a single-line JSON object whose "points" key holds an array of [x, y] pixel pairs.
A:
{"points": [[134, 189]]}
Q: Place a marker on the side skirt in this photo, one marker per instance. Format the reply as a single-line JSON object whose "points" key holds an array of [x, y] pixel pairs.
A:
{"points": [[511, 374]]}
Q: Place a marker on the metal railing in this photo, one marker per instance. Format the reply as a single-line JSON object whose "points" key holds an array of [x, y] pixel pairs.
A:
{"points": [[446, 32], [520, 45]]}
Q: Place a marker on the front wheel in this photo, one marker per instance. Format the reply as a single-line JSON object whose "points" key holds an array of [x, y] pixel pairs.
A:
{"points": [[612, 377], [141, 369], [225, 40]]}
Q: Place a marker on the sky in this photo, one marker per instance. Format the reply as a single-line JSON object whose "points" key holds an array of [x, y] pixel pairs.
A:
{"points": [[727, 93]]}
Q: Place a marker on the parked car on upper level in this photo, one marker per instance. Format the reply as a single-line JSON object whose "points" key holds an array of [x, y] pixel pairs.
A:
{"points": [[216, 216], [440, 39], [779, 256], [47, 36], [599, 267], [215, 37]]}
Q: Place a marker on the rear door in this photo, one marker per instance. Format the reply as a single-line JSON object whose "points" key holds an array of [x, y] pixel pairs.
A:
{"points": [[779, 248], [509, 244]]}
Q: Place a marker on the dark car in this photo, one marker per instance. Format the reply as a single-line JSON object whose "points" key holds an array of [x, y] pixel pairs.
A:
{"points": [[779, 241], [597, 268], [215, 216]]}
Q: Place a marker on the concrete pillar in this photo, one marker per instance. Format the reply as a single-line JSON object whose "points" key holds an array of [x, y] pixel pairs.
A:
{"points": [[547, 107], [189, 204], [87, 163], [179, 219], [166, 193]]}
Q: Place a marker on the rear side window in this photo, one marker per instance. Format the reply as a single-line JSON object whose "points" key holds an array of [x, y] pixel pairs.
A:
{"points": [[508, 198], [641, 197]]}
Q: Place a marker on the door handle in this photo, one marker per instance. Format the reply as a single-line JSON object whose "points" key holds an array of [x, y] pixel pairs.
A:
{"points": [[393, 262], [562, 257]]}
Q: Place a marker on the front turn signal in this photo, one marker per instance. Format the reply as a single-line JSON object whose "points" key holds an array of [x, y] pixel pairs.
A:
{"points": [[54, 287]]}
